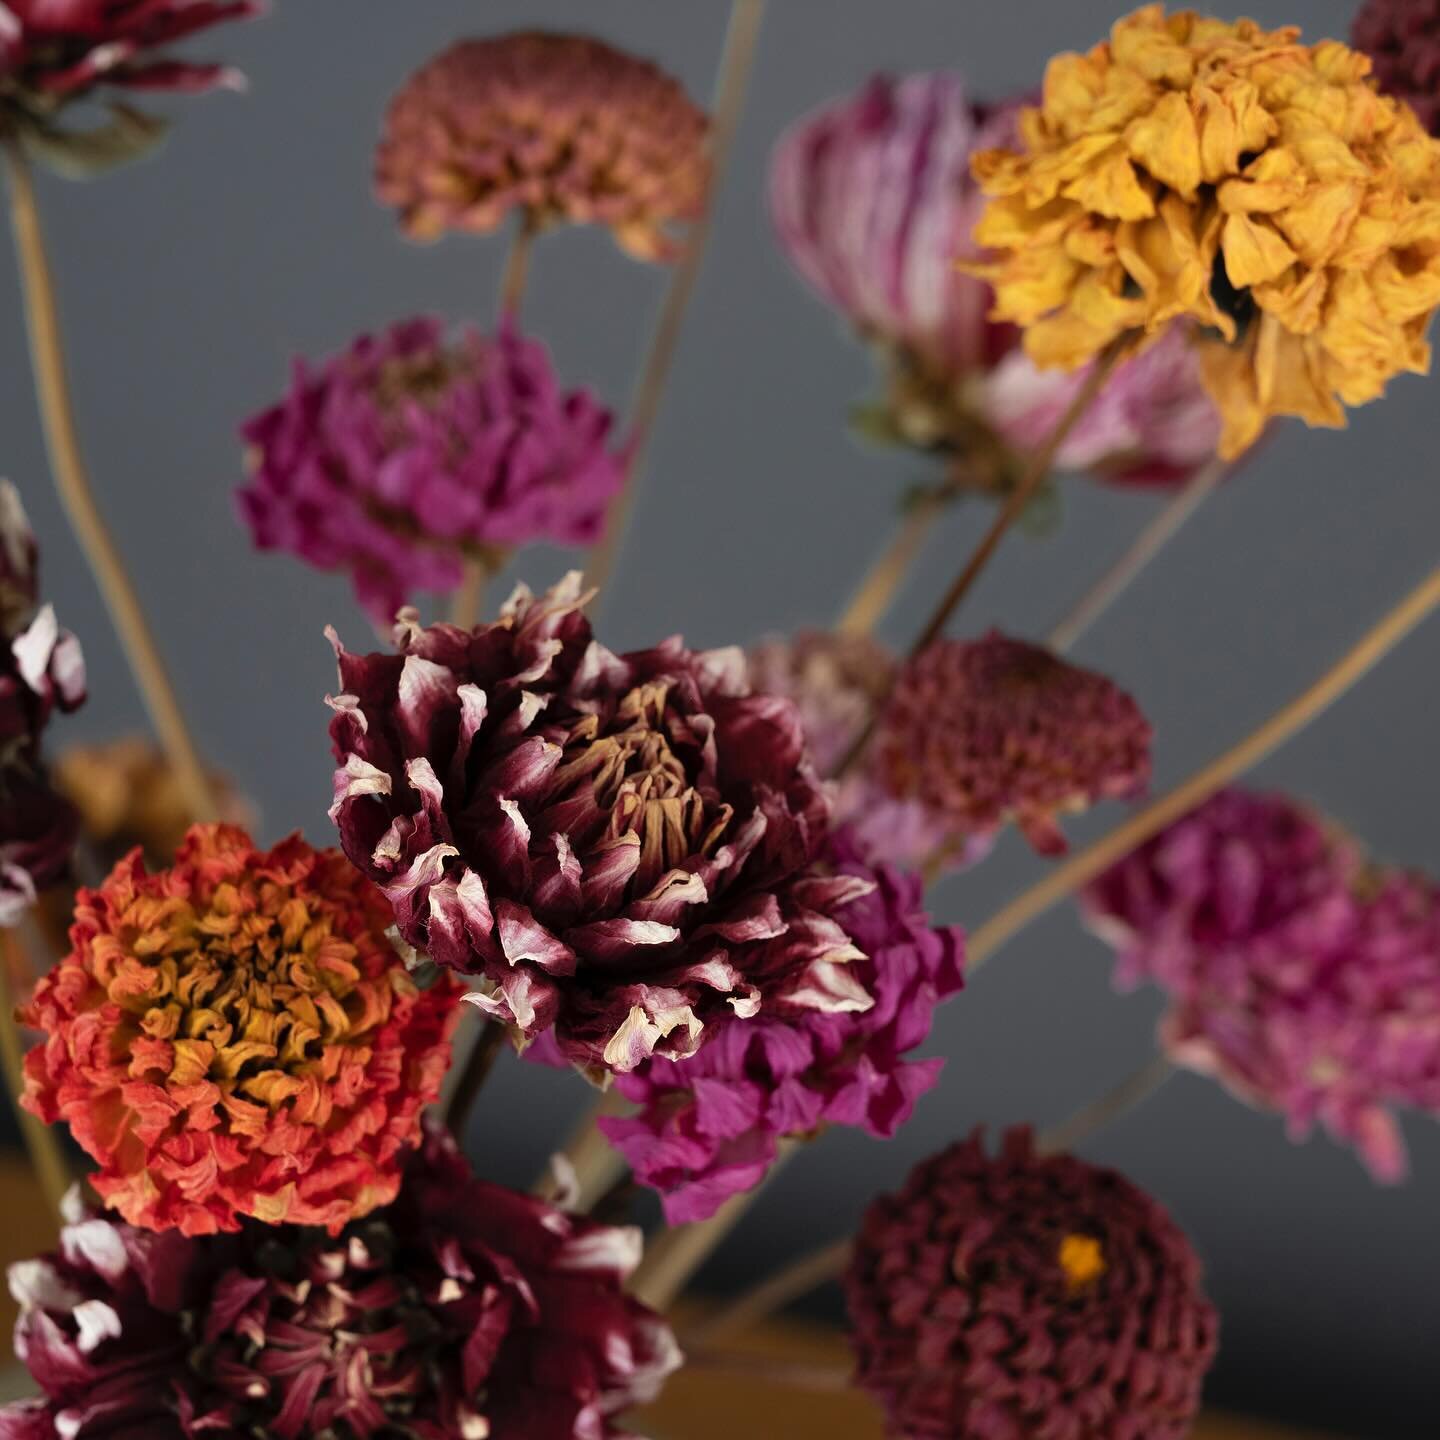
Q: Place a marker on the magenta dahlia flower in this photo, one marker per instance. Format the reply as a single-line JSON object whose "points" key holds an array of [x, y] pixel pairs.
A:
{"points": [[1020, 1295], [709, 1126], [988, 730], [411, 449], [1304, 980], [463, 1309], [874, 203], [1402, 38], [601, 840]]}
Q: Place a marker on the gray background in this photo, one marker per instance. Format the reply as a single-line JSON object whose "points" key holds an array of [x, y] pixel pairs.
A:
{"points": [[190, 281]]}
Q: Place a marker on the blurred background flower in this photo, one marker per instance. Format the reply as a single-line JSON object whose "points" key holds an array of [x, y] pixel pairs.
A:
{"points": [[1402, 39]]}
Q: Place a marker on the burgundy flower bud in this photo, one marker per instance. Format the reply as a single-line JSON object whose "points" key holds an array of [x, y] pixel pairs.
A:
{"points": [[1402, 39], [601, 839], [1027, 1297]]}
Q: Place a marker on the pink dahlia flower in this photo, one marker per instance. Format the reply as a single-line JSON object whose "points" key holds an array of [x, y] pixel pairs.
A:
{"points": [[709, 1126], [462, 1309], [1402, 38], [988, 730], [601, 840], [874, 203], [1020, 1295], [1302, 979], [410, 449]]}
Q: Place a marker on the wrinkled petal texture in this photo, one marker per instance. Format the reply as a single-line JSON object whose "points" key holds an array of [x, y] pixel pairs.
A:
{"points": [[236, 1036], [560, 127], [1259, 190], [1302, 978], [1402, 39], [1015, 1295]]}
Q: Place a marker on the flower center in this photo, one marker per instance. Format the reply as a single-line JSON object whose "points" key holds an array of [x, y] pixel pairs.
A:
{"points": [[1082, 1258]]}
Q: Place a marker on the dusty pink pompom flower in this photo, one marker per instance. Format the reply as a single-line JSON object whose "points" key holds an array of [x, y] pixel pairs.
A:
{"points": [[1402, 39], [988, 730], [1027, 1297], [562, 128], [1304, 980], [412, 448], [709, 1126], [601, 840]]}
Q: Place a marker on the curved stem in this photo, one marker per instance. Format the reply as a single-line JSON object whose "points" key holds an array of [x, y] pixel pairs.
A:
{"points": [[773, 1294], [1085, 866], [47, 354], [876, 591], [1133, 1090], [741, 40], [1161, 530]]}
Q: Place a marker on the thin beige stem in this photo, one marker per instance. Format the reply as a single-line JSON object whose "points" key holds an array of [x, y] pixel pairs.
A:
{"points": [[517, 267], [593, 1163], [876, 592], [741, 39], [774, 1370], [42, 1143], [468, 601], [1161, 530], [486, 1050], [772, 1295], [1091, 1119], [1083, 867], [52, 389]]}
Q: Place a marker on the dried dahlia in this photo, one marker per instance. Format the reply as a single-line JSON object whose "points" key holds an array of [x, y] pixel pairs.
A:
{"points": [[873, 201], [1305, 980], [560, 127], [1257, 189], [1027, 1296], [709, 1126], [1402, 39], [462, 1309], [411, 448], [600, 838], [986, 730], [235, 1037]]}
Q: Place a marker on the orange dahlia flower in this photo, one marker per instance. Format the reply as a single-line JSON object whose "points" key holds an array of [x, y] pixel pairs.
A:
{"points": [[236, 1036], [1261, 190]]}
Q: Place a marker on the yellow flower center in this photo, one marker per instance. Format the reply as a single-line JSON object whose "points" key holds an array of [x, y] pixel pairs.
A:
{"points": [[1082, 1258]]}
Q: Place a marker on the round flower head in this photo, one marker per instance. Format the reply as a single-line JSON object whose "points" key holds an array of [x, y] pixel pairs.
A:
{"points": [[236, 1036], [410, 449], [987, 730], [873, 200], [1257, 190], [1305, 981], [600, 838], [462, 1309], [1022, 1295], [1402, 39], [709, 1126], [562, 128]]}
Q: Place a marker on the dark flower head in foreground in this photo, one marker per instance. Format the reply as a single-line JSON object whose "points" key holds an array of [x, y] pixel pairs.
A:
{"points": [[987, 730], [709, 1126], [1402, 39], [1256, 190], [1021, 1297], [412, 448], [1304, 980], [38, 828], [874, 203], [601, 839], [562, 128], [462, 1311], [236, 1036]]}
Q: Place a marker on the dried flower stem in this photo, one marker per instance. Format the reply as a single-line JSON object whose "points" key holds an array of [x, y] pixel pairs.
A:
{"points": [[47, 353], [1133, 1090], [469, 600], [517, 267], [1083, 867], [42, 1144], [770, 1369], [1161, 530], [481, 1061], [772, 1295], [741, 40], [593, 1162]]}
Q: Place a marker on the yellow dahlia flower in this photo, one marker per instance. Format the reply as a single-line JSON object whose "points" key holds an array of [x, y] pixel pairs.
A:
{"points": [[1233, 179]]}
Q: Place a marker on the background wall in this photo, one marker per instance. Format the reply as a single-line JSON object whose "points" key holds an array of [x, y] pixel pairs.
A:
{"points": [[191, 281]]}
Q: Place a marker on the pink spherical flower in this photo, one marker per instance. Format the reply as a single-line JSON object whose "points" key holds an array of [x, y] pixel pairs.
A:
{"points": [[874, 203], [988, 730], [709, 1126], [1402, 38], [1027, 1297], [1304, 980], [462, 1309], [602, 840], [411, 448]]}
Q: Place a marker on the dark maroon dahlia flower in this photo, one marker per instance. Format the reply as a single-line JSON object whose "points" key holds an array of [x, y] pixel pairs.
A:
{"points": [[710, 1126], [1027, 1297], [462, 1310], [601, 839], [1402, 39]]}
